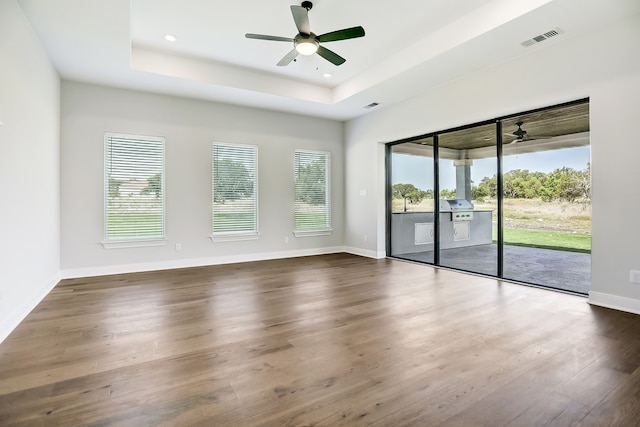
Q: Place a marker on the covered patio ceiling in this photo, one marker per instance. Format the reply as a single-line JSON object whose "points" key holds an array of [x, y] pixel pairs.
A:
{"points": [[549, 129]]}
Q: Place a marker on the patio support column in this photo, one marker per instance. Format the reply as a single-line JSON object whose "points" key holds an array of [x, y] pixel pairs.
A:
{"points": [[463, 178]]}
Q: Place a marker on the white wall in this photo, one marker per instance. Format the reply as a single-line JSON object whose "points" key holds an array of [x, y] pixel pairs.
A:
{"points": [[614, 109], [189, 128], [604, 66], [29, 169]]}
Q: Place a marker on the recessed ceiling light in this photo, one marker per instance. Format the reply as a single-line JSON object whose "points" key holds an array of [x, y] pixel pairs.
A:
{"points": [[327, 75], [170, 38]]}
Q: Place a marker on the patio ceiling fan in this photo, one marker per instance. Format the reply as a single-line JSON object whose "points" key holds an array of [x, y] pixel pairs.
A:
{"points": [[308, 43], [522, 135]]}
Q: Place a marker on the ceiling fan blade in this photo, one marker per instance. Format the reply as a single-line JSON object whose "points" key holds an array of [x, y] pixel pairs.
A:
{"points": [[286, 60], [331, 56], [301, 18], [265, 37], [347, 33]]}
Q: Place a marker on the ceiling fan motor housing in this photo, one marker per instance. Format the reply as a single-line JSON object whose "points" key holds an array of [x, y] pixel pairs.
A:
{"points": [[307, 5], [520, 133]]}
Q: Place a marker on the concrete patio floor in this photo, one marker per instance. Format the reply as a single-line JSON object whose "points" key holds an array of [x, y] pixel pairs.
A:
{"points": [[568, 271]]}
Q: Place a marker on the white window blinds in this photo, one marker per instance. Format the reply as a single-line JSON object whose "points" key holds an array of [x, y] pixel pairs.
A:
{"points": [[235, 189], [312, 207], [134, 187]]}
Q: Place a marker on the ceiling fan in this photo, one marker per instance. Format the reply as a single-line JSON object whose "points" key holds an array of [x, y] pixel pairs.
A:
{"points": [[308, 43], [522, 135]]}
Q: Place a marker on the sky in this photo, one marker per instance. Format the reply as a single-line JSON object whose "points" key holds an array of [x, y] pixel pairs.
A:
{"points": [[417, 170]]}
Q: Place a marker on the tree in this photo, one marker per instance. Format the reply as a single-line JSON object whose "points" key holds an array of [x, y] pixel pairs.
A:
{"points": [[410, 193], [563, 183], [154, 185], [231, 181], [447, 194], [311, 183], [522, 184], [114, 187], [583, 184], [479, 193], [488, 186]]}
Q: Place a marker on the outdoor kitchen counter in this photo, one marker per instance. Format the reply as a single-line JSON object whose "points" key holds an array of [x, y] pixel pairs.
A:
{"points": [[413, 232]]}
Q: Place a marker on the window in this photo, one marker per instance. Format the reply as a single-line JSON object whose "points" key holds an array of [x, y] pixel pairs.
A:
{"points": [[134, 189], [312, 208], [234, 191]]}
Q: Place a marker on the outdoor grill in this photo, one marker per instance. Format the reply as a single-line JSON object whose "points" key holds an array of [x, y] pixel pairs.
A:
{"points": [[461, 209]]}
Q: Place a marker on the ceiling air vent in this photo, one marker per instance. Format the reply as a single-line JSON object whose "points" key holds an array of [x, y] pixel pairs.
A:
{"points": [[373, 104], [542, 37]]}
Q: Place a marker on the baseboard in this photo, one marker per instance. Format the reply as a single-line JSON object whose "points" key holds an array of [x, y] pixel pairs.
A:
{"points": [[194, 262], [615, 302], [364, 252], [12, 320]]}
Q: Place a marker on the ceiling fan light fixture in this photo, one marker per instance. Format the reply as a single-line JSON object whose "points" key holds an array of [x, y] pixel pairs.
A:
{"points": [[307, 46]]}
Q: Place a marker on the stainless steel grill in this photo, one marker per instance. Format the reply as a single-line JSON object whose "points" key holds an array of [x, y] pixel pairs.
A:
{"points": [[461, 209]]}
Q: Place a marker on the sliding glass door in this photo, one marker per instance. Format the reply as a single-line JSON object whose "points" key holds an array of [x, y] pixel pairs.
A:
{"points": [[508, 198], [546, 198], [412, 207], [466, 158]]}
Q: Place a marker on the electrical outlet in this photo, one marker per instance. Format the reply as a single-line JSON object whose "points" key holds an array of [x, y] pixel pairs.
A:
{"points": [[366, 238], [634, 276], [178, 247], [286, 240]]}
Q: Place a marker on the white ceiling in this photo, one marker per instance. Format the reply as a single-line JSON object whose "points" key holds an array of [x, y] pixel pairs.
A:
{"points": [[410, 46]]}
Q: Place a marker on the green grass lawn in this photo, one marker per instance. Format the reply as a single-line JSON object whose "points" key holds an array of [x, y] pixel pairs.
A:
{"points": [[573, 242], [310, 220], [234, 221], [134, 225]]}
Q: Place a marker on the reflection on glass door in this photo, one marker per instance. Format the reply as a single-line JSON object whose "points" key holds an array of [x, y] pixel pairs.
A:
{"points": [[412, 206], [546, 198], [467, 157]]}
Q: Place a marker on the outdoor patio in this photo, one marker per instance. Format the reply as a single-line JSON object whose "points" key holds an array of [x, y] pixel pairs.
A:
{"points": [[568, 271]]}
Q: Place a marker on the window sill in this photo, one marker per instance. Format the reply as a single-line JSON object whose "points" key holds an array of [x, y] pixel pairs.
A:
{"points": [[138, 243], [235, 237], [312, 233]]}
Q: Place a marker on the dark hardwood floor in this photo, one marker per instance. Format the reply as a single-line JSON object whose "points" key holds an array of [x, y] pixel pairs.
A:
{"points": [[325, 340]]}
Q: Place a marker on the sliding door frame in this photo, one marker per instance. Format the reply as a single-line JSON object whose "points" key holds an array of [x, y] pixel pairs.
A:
{"points": [[436, 188]]}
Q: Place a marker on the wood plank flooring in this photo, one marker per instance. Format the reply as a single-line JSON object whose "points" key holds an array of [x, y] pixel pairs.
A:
{"points": [[331, 340]]}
